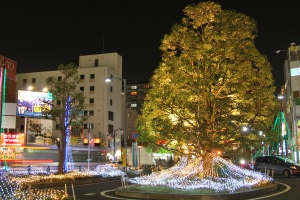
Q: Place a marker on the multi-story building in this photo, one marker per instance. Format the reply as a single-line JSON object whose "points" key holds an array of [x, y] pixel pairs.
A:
{"points": [[291, 98], [136, 94], [104, 102]]}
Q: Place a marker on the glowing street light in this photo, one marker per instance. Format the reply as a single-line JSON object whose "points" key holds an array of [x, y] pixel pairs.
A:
{"points": [[125, 115]]}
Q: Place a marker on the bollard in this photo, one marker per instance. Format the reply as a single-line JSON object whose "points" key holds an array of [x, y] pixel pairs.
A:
{"points": [[48, 169], [80, 168], [28, 169]]}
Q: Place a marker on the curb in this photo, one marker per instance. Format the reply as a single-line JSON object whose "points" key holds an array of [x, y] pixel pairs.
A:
{"points": [[74, 182], [125, 191]]}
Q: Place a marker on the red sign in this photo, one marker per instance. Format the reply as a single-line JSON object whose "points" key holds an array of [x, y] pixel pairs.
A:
{"points": [[12, 139], [10, 66], [134, 136]]}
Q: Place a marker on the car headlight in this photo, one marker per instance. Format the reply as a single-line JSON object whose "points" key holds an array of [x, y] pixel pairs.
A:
{"points": [[293, 167]]}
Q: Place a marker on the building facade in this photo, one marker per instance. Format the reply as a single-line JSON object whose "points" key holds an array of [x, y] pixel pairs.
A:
{"points": [[136, 94], [291, 98], [103, 103]]}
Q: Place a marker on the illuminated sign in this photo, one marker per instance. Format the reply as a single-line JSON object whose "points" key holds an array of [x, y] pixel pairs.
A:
{"points": [[12, 139], [33, 104], [295, 72], [10, 66]]}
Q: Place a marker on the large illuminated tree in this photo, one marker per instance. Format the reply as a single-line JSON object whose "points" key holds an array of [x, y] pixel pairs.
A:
{"points": [[211, 82], [66, 114]]}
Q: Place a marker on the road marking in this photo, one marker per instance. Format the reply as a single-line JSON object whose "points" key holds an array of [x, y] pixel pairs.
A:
{"points": [[284, 191], [87, 194], [103, 194]]}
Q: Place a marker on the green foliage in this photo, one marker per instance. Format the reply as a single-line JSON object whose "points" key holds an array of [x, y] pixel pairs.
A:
{"points": [[61, 90], [211, 82]]}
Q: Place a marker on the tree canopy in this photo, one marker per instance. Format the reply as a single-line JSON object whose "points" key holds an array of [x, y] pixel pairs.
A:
{"points": [[211, 82], [67, 113]]}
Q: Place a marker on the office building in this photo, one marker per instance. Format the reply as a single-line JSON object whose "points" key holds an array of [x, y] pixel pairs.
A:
{"points": [[291, 99]]}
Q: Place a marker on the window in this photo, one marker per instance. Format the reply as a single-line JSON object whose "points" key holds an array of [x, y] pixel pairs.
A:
{"points": [[111, 89], [133, 105], [88, 126], [110, 128], [59, 78], [133, 93], [82, 77], [110, 115], [110, 102], [147, 86], [296, 97], [92, 76], [33, 80], [24, 81], [58, 102], [88, 113], [22, 127], [57, 126], [81, 89], [295, 94], [91, 100], [92, 88], [96, 62]]}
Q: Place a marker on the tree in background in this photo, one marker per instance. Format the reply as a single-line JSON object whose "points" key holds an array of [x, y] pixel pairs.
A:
{"points": [[211, 83], [68, 112]]}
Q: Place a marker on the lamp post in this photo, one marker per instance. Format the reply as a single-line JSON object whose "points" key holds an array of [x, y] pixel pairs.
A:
{"points": [[125, 116], [114, 136], [294, 126]]}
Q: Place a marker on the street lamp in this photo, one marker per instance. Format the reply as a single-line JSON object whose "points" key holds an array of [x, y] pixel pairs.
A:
{"points": [[294, 125], [125, 115], [114, 136]]}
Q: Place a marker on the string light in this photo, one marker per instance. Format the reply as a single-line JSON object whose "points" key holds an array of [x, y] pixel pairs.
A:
{"points": [[14, 182], [212, 173]]}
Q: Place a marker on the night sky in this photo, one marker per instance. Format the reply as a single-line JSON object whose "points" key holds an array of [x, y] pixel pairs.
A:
{"points": [[40, 35]]}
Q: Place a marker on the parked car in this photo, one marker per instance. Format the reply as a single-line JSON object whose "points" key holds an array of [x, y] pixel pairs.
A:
{"points": [[244, 164], [278, 164]]}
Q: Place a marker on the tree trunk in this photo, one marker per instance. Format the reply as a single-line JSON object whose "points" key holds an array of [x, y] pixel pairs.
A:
{"points": [[61, 153], [208, 165]]}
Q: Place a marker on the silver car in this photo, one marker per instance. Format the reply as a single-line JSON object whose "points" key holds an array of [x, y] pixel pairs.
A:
{"points": [[278, 164]]}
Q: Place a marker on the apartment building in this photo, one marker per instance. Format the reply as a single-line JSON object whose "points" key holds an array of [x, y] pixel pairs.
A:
{"points": [[136, 94], [104, 102]]}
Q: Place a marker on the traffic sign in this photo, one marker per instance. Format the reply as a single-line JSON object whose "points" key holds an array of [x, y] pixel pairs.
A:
{"points": [[134, 136]]}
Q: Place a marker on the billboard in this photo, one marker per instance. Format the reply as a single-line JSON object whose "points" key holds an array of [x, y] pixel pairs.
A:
{"points": [[33, 104]]}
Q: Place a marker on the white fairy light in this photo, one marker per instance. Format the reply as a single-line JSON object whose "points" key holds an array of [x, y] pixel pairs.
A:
{"points": [[190, 174]]}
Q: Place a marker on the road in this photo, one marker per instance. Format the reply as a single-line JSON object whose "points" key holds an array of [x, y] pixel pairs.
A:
{"points": [[288, 188]]}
